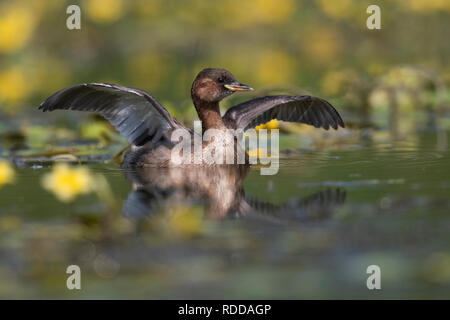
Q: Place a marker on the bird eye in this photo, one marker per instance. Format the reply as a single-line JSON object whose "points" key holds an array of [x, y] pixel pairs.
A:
{"points": [[221, 80]]}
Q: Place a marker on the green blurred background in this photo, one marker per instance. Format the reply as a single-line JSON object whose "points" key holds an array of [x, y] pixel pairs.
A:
{"points": [[322, 47], [393, 81]]}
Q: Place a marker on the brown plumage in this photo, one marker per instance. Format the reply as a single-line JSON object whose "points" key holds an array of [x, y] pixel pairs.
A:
{"points": [[148, 126]]}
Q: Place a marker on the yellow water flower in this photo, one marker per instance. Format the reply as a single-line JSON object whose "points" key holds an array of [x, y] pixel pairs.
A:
{"points": [[104, 11], [6, 173], [13, 85], [274, 67], [352, 11], [336, 8], [67, 182], [272, 124], [254, 153], [185, 221], [427, 6], [259, 11], [259, 153], [17, 22], [325, 45]]}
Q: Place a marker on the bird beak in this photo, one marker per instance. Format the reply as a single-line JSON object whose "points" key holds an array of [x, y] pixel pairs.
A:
{"points": [[236, 86]]}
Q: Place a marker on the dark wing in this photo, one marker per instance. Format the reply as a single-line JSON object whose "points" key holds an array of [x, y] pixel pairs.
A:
{"points": [[317, 206], [134, 113], [303, 109]]}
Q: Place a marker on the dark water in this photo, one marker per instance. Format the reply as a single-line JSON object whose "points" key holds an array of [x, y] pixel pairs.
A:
{"points": [[310, 231]]}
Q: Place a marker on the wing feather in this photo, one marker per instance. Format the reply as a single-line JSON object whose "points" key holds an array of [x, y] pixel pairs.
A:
{"points": [[303, 109], [134, 113]]}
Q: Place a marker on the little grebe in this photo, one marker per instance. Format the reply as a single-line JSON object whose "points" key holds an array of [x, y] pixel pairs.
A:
{"points": [[148, 126]]}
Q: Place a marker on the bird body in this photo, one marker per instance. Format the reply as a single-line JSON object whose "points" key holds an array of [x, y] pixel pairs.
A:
{"points": [[150, 128]]}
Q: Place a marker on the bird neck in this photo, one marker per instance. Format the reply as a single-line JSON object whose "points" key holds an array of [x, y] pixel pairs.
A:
{"points": [[209, 114]]}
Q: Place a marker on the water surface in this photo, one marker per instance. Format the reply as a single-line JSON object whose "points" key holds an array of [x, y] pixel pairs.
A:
{"points": [[310, 231]]}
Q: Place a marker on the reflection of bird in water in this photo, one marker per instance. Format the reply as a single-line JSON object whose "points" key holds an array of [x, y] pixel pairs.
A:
{"points": [[149, 126], [317, 206], [220, 189]]}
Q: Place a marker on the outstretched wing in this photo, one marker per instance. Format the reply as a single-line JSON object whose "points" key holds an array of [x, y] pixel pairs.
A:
{"points": [[303, 109], [134, 113]]}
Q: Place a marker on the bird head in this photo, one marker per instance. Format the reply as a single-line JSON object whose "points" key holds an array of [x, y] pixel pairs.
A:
{"points": [[212, 85]]}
